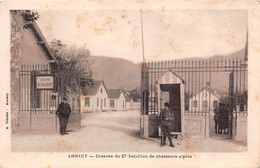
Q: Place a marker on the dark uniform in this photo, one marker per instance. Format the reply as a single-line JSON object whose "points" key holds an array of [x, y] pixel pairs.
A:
{"points": [[63, 112], [217, 118], [166, 120], [223, 121]]}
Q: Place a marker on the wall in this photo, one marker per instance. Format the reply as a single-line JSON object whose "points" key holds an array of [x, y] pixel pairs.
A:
{"points": [[24, 50], [102, 96], [115, 104], [82, 104], [93, 101], [32, 52], [120, 103], [196, 125], [204, 95], [128, 105], [240, 127], [144, 126], [17, 35]]}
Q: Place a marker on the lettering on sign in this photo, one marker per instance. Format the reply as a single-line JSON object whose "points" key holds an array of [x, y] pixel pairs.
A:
{"points": [[44, 82]]}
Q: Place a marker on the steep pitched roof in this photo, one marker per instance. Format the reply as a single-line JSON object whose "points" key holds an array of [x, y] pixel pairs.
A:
{"points": [[93, 88], [209, 90], [114, 93], [167, 74], [41, 40]]}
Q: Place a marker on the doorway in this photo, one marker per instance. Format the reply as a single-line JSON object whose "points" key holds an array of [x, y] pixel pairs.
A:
{"points": [[101, 107], [171, 93]]}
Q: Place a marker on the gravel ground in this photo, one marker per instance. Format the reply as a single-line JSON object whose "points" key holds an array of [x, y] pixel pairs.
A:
{"points": [[116, 132]]}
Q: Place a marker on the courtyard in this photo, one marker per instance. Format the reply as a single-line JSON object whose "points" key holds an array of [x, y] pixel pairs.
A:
{"points": [[116, 132]]}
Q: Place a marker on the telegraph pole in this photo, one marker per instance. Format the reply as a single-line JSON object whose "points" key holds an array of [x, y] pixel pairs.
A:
{"points": [[142, 34]]}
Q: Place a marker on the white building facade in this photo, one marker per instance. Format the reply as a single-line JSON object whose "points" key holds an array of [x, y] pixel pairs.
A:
{"points": [[95, 98], [205, 100], [117, 100]]}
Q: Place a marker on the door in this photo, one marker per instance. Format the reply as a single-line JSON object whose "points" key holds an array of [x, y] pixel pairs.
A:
{"points": [[171, 93], [101, 107]]}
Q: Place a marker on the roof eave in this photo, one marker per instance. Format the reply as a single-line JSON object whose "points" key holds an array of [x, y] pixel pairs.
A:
{"points": [[41, 40]]}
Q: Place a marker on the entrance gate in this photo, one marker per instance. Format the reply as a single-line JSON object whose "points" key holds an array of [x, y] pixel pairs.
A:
{"points": [[205, 86], [41, 88]]}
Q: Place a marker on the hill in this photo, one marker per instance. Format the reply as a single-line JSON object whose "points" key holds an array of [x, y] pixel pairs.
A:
{"points": [[121, 73], [116, 72]]}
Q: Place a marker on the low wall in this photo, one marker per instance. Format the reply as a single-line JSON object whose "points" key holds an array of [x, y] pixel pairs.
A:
{"points": [[37, 123], [45, 123], [240, 126], [153, 126], [196, 124], [135, 105], [144, 126]]}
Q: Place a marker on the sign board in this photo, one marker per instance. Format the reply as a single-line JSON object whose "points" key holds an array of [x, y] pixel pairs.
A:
{"points": [[45, 82]]}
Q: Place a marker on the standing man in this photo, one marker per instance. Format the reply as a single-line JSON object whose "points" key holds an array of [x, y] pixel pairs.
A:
{"points": [[165, 121], [224, 118], [217, 117], [63, 113]]}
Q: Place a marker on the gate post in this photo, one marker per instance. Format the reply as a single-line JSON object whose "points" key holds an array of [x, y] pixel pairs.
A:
{"points": [[231, 103]]}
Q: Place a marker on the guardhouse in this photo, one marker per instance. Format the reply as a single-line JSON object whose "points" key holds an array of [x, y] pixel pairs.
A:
{"points": [[182, 83], [169, 88]]}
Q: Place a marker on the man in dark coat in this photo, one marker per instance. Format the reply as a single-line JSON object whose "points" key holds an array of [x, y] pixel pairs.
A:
{"points": [[63, 113], [217, 117], [223, 121], [166, 119]]}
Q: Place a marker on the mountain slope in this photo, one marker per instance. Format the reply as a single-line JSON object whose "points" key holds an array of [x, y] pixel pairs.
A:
{"points": [[116, 72], [121, 73]]}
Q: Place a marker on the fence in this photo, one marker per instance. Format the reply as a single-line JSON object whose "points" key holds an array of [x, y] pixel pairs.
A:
{"points": [[207, 82], [41, 88], [198, 75]]}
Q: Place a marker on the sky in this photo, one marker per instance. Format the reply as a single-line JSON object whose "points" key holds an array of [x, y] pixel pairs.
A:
{"points": [[167, 34]]}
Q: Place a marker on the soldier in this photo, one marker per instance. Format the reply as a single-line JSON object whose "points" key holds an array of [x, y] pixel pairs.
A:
{"points": [[223, 120], [226, 114], [165, 121], [63, 113], [217, 117]]}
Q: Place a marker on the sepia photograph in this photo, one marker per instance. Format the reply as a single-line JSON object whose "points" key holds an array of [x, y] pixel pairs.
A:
{"points": [[129, 80]]}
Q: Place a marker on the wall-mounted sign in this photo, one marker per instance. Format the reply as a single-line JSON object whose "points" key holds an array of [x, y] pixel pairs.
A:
{"points": [[45, 82]]}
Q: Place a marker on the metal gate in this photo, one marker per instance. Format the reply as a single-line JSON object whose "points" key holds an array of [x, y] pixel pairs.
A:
{"points": [[41, 88], [205, 80]]}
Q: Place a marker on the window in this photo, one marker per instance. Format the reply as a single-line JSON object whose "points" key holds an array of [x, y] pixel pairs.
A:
{"points": [[195, 103], [215, 104], [78, 102], [205, 103], [112, 103], [105, 102], [87, 103], [123, 104], [97, 102], [53, 100], [101, 90]]}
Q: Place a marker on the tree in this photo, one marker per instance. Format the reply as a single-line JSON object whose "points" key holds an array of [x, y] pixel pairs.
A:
{"points": [[240, 99], [135, 94], [73, 61]]}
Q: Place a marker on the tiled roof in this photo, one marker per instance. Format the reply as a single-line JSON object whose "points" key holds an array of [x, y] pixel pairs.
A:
{"points": [[114, 93], [92, 89]]}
